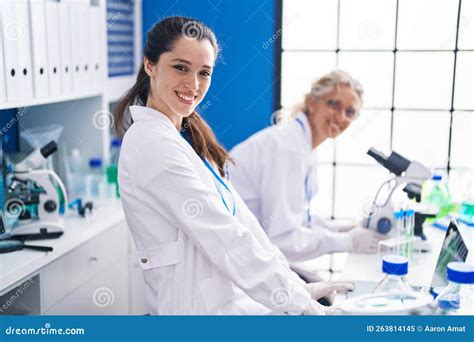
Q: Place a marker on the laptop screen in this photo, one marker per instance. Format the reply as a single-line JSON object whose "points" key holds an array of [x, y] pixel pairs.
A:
{"points": [[453, 249]]}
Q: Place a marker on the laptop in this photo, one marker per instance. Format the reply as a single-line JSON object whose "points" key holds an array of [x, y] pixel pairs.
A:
{"points": [[453, 249]]}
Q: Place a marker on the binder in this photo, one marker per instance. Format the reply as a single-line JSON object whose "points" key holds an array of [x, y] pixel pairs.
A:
{"points": [[38, 46], [75, 28], [95, 37], [66, 47], [17, 51], [3, 94], [84, 45], [53, 47]]}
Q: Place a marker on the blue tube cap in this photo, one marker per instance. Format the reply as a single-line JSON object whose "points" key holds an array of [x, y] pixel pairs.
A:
{"points": [[398, 214], [395, 264], [437, 290], [95, 162], [460, 272], [116, 142]]}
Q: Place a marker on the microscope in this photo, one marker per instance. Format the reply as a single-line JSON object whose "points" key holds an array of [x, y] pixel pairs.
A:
{"points": [[35, 197], [411, 174]]}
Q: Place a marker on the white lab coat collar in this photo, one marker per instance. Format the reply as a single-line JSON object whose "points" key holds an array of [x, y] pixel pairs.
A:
{"points": [[142, 113], [303, 118]]}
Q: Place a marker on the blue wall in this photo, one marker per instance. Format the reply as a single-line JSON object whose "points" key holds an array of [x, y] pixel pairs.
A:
{"points": [[242, 94]]}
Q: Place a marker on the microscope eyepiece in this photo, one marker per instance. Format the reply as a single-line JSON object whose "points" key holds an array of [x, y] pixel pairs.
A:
{"points": [[49, 149], [377, 155], [395, 163]]}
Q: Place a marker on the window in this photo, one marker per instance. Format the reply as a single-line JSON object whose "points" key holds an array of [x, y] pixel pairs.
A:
{"points": [[415, 60]]}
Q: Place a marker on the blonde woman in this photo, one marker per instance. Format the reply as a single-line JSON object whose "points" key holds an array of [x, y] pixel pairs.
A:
{"points": [[274, 172]]}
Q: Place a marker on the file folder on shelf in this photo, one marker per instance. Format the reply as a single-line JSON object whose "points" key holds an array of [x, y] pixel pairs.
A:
{"points": [[96, 39], [38, 47], [66, 47], [53, 39], [16, 48], [79, 35], [3, 94]]}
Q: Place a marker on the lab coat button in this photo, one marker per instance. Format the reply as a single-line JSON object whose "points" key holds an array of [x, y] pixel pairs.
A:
{"points": [[144, 260]]}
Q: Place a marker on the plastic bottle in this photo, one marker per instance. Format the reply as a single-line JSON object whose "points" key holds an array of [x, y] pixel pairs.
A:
{"points": [[436, 193], [115, 151], [395, 268], [95, 178], [76, 185], [457, 297], [112, 169]]}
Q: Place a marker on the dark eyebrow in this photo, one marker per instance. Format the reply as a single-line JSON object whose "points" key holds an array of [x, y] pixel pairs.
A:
{"points": [[184, 61]]}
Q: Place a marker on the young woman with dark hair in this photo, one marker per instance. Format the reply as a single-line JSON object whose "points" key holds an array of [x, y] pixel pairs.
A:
{"points": [[201, 249]]}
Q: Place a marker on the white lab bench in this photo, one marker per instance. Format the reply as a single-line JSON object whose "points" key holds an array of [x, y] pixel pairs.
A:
{"points": [[91, 271], [368, 267]]}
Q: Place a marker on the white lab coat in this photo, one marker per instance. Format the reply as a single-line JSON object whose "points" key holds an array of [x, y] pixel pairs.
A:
{"points": [[197, 257], [269, 173]]}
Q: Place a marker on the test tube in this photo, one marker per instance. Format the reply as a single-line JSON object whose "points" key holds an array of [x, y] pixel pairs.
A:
{"points": [[410, 230], [398, 216]]}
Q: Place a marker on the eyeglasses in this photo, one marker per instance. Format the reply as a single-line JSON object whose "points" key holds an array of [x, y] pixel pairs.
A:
{"points": [[336, 105]]}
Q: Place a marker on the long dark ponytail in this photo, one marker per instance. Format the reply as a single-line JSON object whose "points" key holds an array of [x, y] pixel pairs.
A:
{"points": [[160, 39]]}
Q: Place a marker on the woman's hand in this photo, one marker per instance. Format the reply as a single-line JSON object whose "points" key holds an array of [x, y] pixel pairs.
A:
{"points": [[316, 309], [327, 288]]}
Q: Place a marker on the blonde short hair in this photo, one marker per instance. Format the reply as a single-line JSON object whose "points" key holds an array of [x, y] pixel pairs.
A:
{"points": [[327, 83]]}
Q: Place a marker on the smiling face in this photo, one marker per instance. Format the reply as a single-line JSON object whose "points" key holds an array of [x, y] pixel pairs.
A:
{"points": [[181, 78], [331, 113]]}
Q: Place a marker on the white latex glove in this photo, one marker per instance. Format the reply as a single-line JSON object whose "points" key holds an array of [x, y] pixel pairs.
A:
{"points": [[316, 309], [340, 226], [327, 288], [363, 240]]}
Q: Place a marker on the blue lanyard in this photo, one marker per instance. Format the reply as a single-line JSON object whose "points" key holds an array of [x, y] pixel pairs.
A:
{"points": [[219, 179], [298, 120], [308, 194], [185, 136], [307, 185]]}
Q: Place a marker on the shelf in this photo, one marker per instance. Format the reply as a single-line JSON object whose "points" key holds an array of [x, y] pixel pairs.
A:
{"points": [[47, 100]]}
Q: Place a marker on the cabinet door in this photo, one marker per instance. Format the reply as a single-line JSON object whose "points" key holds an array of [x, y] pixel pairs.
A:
{"points": [[104, 294], [105, 254]]}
